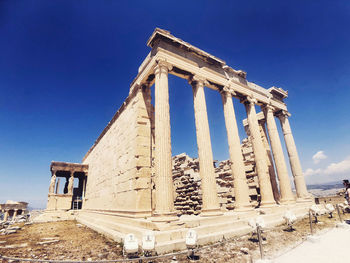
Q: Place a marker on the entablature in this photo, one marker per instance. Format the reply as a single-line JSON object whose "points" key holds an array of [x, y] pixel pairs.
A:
{"points": [[187, 61], [69, 167]]}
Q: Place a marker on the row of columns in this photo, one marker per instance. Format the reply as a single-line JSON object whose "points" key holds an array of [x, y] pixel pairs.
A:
{"points": [[6, 214], [164, 203], [68, 187]]}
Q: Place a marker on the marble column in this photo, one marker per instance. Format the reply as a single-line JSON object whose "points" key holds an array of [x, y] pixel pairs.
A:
{"points": [[84, 185], [266, 193], [299, 180], [269, 161], [57, 185], [281, 167], [14, 214], [6, 215], [210, 200], [71, 183], [241, 189], [52, 183], [164, 196]]}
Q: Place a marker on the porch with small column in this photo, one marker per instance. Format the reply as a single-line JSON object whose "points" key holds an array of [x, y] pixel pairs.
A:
{"points": [[69, 171]]}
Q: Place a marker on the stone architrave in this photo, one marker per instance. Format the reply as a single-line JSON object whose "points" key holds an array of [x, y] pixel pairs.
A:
{"points": [[241, 189], [269, 161], [52, 183], [71, 184], [299, 179], [281, 167], [266, 193], [164, 210], [206, 168]]}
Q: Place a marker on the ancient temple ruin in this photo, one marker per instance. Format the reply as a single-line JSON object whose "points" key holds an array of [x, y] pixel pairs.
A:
{"points": [[130, 182], [11, 209]]}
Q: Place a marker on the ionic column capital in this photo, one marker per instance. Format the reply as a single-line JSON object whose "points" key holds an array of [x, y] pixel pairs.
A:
{"points": [[162, 66], [249, 100], [268, 108], [197, 80], [227, 91], [283, 114]]}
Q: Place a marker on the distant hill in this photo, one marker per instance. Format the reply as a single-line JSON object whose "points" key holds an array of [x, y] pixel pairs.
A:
{"points": [[326, 186]]}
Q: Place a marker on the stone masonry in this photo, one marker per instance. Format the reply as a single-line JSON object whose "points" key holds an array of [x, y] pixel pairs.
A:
{"points": [[187, 182], [130, 183]]}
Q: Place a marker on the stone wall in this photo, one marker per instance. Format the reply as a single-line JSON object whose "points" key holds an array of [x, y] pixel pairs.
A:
{"points": [[187, 182], [119, 162]]}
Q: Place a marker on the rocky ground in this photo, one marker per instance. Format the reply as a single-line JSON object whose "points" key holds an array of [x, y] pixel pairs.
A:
{"points": [[58, 240], [68, 240]]}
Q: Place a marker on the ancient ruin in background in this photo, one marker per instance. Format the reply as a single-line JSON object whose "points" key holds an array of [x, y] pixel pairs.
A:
{"points": [[129, 181]]}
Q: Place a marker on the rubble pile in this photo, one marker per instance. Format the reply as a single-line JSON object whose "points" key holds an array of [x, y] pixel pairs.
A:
{"points": [[188, 195], [187, 182], [250, 170]]}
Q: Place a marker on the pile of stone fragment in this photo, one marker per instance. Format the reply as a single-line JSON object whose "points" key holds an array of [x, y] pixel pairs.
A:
{"points": [[187, 182], [7, 227]]}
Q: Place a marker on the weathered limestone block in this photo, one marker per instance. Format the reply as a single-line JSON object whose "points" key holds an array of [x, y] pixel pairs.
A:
{"points": [[187, 184]]}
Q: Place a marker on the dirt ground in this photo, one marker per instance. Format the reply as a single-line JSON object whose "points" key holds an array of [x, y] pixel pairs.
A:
{"points": [[77, 242]]}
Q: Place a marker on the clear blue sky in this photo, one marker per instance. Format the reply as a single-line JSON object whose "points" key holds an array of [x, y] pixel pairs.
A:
{"points": [[66, 67]]}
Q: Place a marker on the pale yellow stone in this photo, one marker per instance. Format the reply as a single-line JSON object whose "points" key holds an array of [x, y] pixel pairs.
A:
{"points": [[266, 193], [299, 179], [240, 181], [209, 195]]}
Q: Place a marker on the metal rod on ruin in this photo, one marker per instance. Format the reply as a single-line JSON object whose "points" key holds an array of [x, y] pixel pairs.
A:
{"points": [[310, 221], [339, 215], [258, 231]]}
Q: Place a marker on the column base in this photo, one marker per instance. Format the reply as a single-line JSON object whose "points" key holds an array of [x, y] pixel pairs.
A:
{"points": [[243, 208], [211, 212], [267, 204], [287, 201], [164, 217], [304, 199]]}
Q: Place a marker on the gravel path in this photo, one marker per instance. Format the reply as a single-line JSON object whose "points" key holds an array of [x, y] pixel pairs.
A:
{"points": [[332, 246]]}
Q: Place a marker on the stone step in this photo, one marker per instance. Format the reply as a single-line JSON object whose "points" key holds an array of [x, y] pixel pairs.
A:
{"points": [[220, 227], [115, 235], [121, 228], [137, 222], [180, 244], [172, 238]]}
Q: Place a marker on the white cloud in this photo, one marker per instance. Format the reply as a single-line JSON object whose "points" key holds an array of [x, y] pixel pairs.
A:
{"points": [[339, 168], [319, 156], [342, 167], [310, 172]]}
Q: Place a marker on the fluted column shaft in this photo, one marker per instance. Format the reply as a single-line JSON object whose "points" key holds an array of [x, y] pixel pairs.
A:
{"points": [[281, 167], [299, 180], [164, 203], [269, 161], [210, 204], [242, 200], [260, 155]]}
